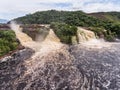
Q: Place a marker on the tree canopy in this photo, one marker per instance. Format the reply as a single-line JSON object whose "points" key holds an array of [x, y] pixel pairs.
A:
{"points": [[8, 41], [76, 18]]}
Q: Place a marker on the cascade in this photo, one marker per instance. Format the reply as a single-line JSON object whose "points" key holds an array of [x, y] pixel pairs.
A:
{"points": [[88, 39], [85, 35]]}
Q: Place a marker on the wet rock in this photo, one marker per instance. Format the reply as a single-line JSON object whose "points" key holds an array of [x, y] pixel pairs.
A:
{"points": [[12, 68]]}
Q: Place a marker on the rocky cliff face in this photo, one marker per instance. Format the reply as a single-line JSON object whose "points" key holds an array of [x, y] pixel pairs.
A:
{"points": [[35, 31], [67, 68]]}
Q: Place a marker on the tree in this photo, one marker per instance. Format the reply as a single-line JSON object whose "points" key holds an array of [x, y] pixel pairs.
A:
{"points": [[64, 31], [8, 41]]}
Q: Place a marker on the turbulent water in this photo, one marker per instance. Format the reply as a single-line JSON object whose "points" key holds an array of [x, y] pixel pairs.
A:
{"points": [[55, 66], [85, 35], [23, 38]]}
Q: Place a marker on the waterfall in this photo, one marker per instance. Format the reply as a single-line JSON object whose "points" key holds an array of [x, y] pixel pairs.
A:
{"points": [[88, 39], [85, 35], [23, 38], [50, 42], [55, 66]]}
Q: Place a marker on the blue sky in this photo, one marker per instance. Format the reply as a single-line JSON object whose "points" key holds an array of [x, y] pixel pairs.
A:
{"points": [[10, 9]]}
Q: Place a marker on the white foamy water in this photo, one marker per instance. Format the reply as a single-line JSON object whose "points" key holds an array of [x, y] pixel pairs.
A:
{"points": [[88, 39], [96, 43], [50, 44], [23, 38], [85, 35]]}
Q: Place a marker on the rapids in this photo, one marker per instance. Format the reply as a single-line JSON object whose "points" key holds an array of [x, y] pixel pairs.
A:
{"points": [[49, 43], [56, 66], [23, 38], [85, 35]]}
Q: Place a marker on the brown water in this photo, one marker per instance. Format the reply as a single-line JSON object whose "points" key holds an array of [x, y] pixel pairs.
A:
{"points": [[85, 35], [51, 41], [50, 44], [55, 66], [88, 39], [23, 38]]}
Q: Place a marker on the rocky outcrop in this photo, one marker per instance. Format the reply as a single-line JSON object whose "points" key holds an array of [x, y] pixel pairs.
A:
{"points": [[36, 30]]}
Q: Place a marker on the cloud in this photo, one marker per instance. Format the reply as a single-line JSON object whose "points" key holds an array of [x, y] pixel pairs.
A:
{"points": [[15, 8], [97, 6]]}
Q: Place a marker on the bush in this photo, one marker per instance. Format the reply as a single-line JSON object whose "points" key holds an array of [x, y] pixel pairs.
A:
{"points": [[102, 33], [64, 31], [110, 36], [8, 41]]}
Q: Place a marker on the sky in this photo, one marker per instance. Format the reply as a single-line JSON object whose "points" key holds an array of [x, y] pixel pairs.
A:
{"points": [[10, 9]]}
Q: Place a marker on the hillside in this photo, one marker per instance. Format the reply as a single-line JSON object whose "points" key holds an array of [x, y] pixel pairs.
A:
{"points": [[111, 16], [105, 27], [78, 18]]}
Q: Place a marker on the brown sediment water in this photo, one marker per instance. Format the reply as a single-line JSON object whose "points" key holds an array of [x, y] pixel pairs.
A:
{"points": [[50, 44], [50, 41], [56, 66], [88, 39], [85, 35]]}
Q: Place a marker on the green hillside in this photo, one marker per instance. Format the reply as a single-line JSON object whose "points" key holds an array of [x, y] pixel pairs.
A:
{"points": [[111, 16], [95, 22], [78, 18]]}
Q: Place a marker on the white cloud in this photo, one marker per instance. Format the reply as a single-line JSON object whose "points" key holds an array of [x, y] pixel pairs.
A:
{"points": [[97, 6], [13, 8]]}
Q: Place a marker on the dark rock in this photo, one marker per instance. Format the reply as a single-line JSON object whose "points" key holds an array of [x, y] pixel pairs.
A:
{"points": [[12, 68]]}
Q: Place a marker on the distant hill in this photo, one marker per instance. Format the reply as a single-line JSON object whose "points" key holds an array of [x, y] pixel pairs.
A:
{"points": [[111, 16], [3, 21], [78, 18]]}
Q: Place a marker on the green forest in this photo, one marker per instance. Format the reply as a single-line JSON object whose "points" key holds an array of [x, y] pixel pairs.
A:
{"points": [[64, 31]]}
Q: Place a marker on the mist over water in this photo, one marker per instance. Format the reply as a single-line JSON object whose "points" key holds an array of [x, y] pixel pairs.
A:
{"points": [[97, 43], [88, 39], [85, 35], [49, 44], [41, 40], [41, 46], [23, 38]]}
